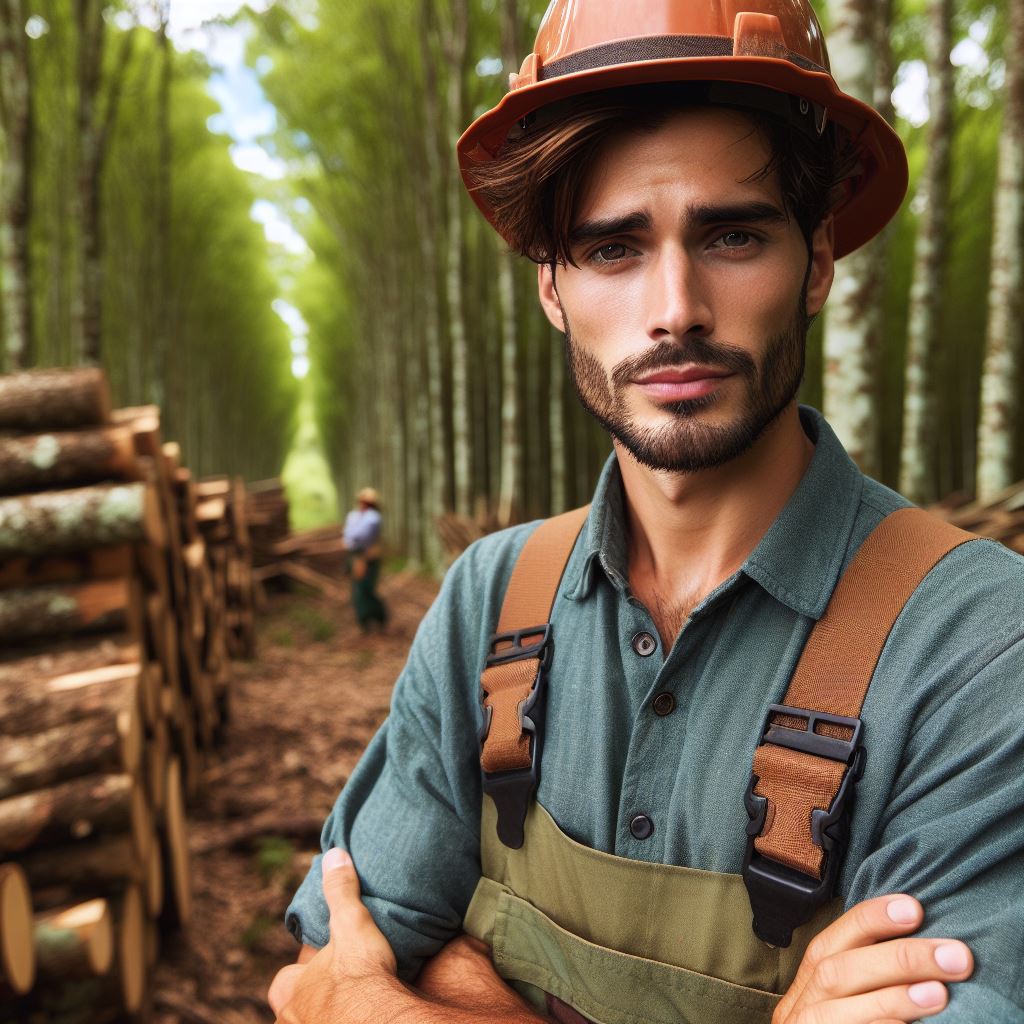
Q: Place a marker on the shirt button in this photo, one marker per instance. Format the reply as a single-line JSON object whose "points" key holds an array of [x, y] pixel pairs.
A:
{"points": [[642, 827], [644, 644], [664, 703]]}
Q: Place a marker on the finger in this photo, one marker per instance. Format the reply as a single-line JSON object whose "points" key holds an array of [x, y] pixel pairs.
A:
{"points": [[341, 889], [896, 1003], [896, 962], [874, 920], [283, 987]]}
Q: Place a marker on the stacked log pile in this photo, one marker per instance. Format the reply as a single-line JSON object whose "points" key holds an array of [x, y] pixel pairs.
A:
{"points": [[1001, 518], [117, 584], [314, 558]]}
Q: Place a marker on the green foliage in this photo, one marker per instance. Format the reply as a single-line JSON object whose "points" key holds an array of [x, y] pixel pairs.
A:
{"points": [[313, 624], [274, 858]]}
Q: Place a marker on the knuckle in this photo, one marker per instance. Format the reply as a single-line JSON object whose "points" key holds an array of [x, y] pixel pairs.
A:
{"points": [[829, 975], [817, 950], [907, 959]]}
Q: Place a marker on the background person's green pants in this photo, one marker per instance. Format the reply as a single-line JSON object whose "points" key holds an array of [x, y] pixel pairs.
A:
{"points": [[368, 606]]}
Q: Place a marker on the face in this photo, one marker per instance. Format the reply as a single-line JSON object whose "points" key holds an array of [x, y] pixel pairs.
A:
{"points": [[685, 317]]}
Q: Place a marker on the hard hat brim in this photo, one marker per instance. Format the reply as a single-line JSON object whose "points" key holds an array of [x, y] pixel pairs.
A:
{"points": [[881, 184]]}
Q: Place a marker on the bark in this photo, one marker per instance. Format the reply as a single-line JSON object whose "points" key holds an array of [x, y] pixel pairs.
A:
{"points": [[85, 517], [54, 400], [851, 340], [918, 462], [16, 176], [77, 567], [160, 365], [456, 44], [46, 461], [17, 951], [104, 865], [39, 693], [103, 743], [177, 870], [438, 474], [58, 609], [97, 115], [76, 810], [510, 486], [1003, 336], [75, 941]]}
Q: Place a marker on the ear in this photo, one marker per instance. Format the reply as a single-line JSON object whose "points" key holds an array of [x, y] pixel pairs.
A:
{"points": [[549, 300], [823, 266]]}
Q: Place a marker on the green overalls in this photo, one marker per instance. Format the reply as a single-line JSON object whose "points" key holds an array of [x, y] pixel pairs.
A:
{"points": [[586, 935]]}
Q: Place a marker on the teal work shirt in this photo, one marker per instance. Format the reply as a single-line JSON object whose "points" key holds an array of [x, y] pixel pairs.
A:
{"points": [[939, 812]]}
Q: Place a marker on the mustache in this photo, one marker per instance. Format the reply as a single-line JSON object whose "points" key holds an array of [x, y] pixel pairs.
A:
{"points": [[702, 351]]}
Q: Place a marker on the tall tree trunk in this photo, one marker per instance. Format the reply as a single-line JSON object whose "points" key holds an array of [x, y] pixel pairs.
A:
{"points": [[95, 120], [999, 378], [159, 366], [918, 463], [438, 472], [851, 338], [456, 44], [15, 185], [509, 488]]}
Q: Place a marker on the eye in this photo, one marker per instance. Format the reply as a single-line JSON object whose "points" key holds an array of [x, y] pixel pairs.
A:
{"points": [[735, 239], [610, 253]]}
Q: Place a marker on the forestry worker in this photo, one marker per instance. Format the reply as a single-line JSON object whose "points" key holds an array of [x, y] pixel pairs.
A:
{"points": [[634, 765]]}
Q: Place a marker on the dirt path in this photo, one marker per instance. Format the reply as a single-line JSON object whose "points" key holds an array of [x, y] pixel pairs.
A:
{"points": [[301, 715]]}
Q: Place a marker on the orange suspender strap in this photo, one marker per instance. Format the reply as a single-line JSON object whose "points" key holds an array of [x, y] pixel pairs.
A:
{"points": [[514, 676], [811, 752]]}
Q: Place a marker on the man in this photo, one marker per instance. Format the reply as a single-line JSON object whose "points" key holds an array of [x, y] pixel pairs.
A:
{"points": [[684, 178], [362, 541]]}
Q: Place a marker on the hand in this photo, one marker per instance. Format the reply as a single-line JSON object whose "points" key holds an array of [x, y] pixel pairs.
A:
{"points": [[463, 975], [336, 978], [859, 970]]}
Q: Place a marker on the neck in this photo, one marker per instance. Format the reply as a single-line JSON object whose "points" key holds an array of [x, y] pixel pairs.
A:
{"points": [[688, 532]]}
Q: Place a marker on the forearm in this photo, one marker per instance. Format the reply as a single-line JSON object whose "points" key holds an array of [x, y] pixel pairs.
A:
{"points": [[383, 999]]}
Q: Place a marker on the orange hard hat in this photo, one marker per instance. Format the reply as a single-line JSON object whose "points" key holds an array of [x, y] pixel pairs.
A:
{"points": [[585, 46]]}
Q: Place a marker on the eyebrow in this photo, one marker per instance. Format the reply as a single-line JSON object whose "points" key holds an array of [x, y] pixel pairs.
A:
{"points": [[698, 216]]}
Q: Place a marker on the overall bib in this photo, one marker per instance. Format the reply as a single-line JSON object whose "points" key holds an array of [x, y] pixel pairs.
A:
{"points": [[585, 935]]}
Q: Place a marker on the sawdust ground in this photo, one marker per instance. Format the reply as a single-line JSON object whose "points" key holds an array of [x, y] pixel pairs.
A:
{"points": [[302, 712]]}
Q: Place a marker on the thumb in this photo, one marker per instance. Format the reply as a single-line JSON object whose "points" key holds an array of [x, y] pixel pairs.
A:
{"points": [[341, 885]]}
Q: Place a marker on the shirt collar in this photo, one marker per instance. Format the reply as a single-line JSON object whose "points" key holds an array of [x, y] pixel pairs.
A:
{"points": [[797, 561]]}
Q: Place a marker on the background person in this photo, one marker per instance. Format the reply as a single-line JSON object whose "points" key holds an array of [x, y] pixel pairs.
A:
{"points": [[362, 541]]}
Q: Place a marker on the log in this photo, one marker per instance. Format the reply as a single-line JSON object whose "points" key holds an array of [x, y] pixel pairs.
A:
{"points": [[154, 887], [130, 963], [17, 951], [47, 461], [102, 865], [213, 487], [37, 694], [312, 578], [178, 885], [74, 810], [84, 517], [75, 941], [60, 609], [107, 742], [54, 399], [77, 567]]}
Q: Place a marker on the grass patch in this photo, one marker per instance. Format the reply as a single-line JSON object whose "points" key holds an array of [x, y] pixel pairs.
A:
{"points": [[282, 637], [274, 857], [258, 929], [311, 622]]}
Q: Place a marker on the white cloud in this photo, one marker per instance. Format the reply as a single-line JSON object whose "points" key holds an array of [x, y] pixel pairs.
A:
{"points": [[291, 316], [910, 95], [256, 160]]}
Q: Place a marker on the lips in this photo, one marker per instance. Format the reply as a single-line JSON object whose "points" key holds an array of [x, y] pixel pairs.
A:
{"points": [[678, 385], [674, 376]]}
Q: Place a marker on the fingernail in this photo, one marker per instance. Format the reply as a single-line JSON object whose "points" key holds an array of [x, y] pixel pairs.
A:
{"points": [[902, 911], [927, 993], [334, 859], [951, 957]]}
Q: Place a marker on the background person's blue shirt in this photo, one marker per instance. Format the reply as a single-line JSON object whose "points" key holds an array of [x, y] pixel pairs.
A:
{"points": [[939, 813], [362, 528]]}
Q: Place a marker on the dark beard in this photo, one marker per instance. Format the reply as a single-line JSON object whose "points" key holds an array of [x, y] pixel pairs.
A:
{"points": [[686, 445]]}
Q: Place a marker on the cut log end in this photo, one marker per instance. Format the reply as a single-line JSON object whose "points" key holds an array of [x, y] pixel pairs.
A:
{"points": [[76, 941], [131, 949], [178, 906], [17, 950]]}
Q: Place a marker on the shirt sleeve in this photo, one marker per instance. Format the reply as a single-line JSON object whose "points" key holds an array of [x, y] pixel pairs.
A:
{"points": [[410, 813], [953, 834]]}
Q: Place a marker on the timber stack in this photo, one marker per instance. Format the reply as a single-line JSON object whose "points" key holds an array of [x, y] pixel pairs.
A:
{"points": [[114, 630], [1000, 518], [313, 558]]}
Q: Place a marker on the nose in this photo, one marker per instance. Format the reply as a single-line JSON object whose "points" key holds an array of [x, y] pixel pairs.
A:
{"points": [[677, 300]]}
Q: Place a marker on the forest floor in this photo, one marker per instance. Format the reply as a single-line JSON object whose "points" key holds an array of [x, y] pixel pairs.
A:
{"points": [[302, 713]]}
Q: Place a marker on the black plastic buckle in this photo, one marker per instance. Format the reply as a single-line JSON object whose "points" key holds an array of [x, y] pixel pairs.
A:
{"points": [[512, 791], [781, 897]]}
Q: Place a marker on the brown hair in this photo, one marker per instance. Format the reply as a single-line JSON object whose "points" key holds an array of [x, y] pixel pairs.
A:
{"points": [[533, 186]]}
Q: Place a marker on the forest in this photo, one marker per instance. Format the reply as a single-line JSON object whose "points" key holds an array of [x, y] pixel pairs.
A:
{"points": [[128, 241]]}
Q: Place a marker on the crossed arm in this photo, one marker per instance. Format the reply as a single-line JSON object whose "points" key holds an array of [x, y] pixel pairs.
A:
{"points": [[866, 968]]}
